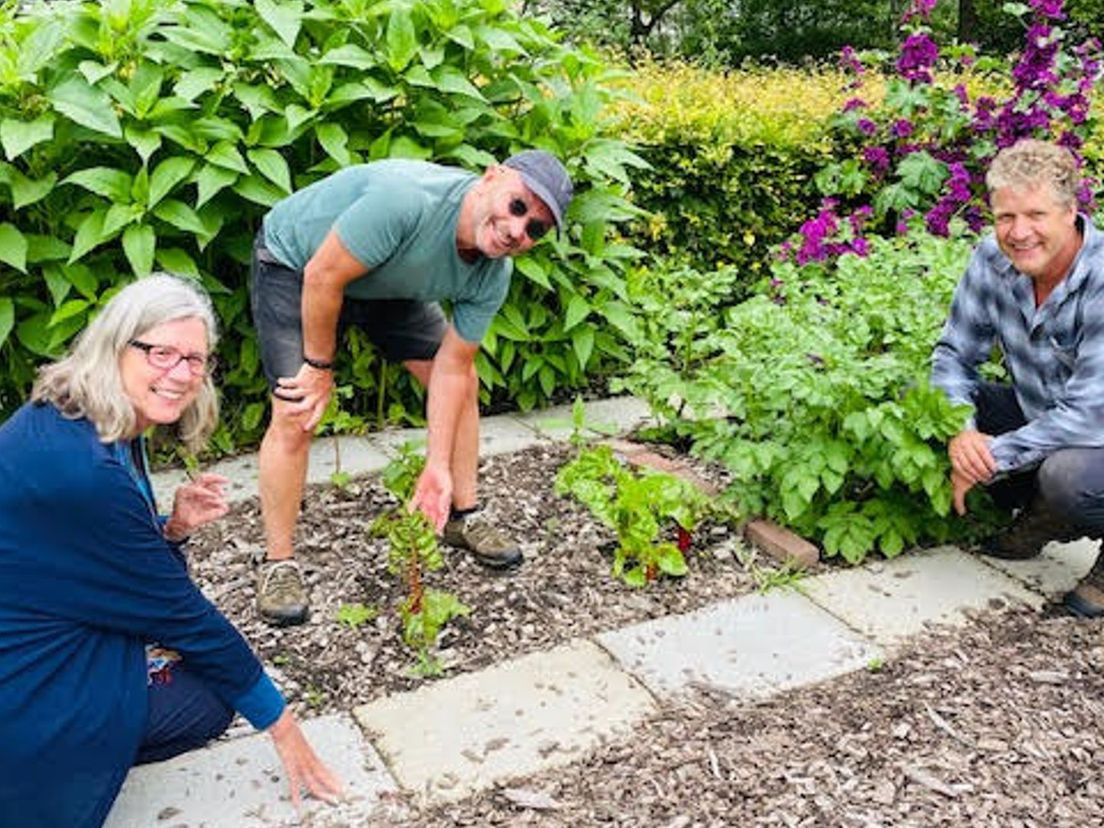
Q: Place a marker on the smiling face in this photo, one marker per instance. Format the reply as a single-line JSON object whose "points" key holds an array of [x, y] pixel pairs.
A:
{"points": [[159, 395], [503, 216], [1036, 231]]}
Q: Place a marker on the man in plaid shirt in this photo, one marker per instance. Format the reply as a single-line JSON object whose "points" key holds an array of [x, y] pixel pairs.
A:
{"points": [[1036, 289]]}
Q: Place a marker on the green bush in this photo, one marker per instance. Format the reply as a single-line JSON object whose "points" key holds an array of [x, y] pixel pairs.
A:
{"points": [[814, 392], [143, 134], [732, 158]]}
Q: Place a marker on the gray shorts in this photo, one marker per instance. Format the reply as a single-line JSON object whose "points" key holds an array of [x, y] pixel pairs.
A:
{"points": [[401, 328]]}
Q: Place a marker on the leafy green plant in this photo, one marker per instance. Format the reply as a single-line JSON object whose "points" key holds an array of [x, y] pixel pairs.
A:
{"points": [[355, 615], [636, 506], [814, 394], [412, 552], [143, 134]]}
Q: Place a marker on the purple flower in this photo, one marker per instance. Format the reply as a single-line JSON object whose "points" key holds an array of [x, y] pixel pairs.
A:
{"points": [[877, 158], [902, 128], [860, 246], [1048, 8], [866, 126], [919, 8], [962, 95], [854, 103], [918, 55], [849, 61]]}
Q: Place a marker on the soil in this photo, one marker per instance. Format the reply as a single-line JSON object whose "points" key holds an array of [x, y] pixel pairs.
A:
{"points": [[994, 724]]}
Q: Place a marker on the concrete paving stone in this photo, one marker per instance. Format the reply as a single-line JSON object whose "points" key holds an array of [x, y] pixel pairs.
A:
{"points": [[750, 647], [552, 423], [1056, 571], [504, 434], [616, 415], [889, 601], [539, 711], [239, 783], [353, 455]]}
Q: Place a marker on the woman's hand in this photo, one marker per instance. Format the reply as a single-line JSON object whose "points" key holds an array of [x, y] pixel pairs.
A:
{"points": [[197, 503], [303, 767]]}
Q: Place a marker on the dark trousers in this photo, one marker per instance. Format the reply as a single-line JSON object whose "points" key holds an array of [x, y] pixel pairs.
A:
{"points": [[1069, 483], [183, 715]]}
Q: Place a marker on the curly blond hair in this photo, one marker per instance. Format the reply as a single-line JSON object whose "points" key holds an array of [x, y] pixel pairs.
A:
{"points": [[1029, 163]]}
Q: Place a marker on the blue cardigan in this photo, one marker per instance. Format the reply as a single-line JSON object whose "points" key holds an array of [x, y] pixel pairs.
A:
{"points": [[86, 580]]}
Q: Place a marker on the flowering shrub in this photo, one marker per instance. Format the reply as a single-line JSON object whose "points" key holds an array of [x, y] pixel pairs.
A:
{"points": [[925, 148]]}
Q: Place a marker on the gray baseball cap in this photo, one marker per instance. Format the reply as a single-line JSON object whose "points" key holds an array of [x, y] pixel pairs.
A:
{"points": [[543, 173]]}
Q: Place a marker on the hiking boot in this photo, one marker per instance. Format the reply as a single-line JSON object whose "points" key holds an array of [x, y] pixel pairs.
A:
{"points": [[1087, 598], [1028, 533], [491, 547], [281, 597]]}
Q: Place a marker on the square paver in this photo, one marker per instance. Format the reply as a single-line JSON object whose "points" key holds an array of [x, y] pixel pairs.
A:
{"points": [[1056, 571], [240, 783], [889, 601], [751, 646], [538, 711]]}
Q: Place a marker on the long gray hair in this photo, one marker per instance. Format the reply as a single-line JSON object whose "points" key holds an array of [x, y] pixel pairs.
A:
{"points": [[87, 382]]}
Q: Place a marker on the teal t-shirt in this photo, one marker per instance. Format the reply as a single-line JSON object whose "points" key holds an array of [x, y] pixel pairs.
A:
{"points": [[398, 218]]}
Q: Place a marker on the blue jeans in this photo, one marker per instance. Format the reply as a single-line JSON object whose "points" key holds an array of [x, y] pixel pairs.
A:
{"points": [[1069, 482]]}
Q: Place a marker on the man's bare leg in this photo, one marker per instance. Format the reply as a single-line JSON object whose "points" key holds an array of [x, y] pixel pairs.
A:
{"points": [[282, 462]]}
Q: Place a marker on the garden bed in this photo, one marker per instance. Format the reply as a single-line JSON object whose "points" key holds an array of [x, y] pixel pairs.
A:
{"points": [[994, 725], [563, 590]]}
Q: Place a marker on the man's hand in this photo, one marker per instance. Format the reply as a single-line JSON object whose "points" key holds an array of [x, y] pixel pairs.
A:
{"points": [[302, 765], [307, 394], [970, 456], [960, 485], [433, 495], [196, 504]]}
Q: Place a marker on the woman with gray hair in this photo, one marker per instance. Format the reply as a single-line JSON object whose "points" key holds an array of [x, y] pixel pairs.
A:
{"points": [[109, 655]]}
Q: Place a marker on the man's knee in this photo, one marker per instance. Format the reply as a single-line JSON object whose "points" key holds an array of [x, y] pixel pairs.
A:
{"points": [[286, 428], [1072, 485]]}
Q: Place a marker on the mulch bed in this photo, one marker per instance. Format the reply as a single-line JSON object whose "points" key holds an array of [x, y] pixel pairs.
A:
{"points": [[563, 590], [994, 724], [997, 724]]}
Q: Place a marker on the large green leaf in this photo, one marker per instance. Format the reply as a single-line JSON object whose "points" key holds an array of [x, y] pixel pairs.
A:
{"points": [[86, 105], [45, 248], [166, 176], [211, 180], [351, 55], [334, 140], [272, 166], [179, 215], [256, 99], [452, 80], [25, 191], [145, 141], [582, 342], [577, 310], [19, 136], [40, 47], [139, 243], [13, 247], [256, 189], [226, 155], [282, 17], [402, 40], [108, 182], [175, 260], [89, 234], [195, 82], [7, 318]]}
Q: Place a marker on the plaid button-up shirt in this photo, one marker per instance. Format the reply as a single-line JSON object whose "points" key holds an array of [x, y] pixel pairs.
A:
{"points": [[1053, 353]]}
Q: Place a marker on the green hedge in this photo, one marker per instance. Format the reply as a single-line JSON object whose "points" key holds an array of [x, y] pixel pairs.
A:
{"points": [[154, 134]]}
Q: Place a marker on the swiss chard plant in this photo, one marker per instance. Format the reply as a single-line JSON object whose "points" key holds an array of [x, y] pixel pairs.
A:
{"points": [[639, 507], [412, 552]]}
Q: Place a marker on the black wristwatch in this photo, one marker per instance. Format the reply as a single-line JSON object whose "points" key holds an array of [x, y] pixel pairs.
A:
{"points": [[320, 364]]}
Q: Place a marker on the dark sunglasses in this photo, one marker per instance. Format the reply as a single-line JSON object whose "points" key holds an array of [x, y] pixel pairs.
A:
{"points": [[534, 228]]}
